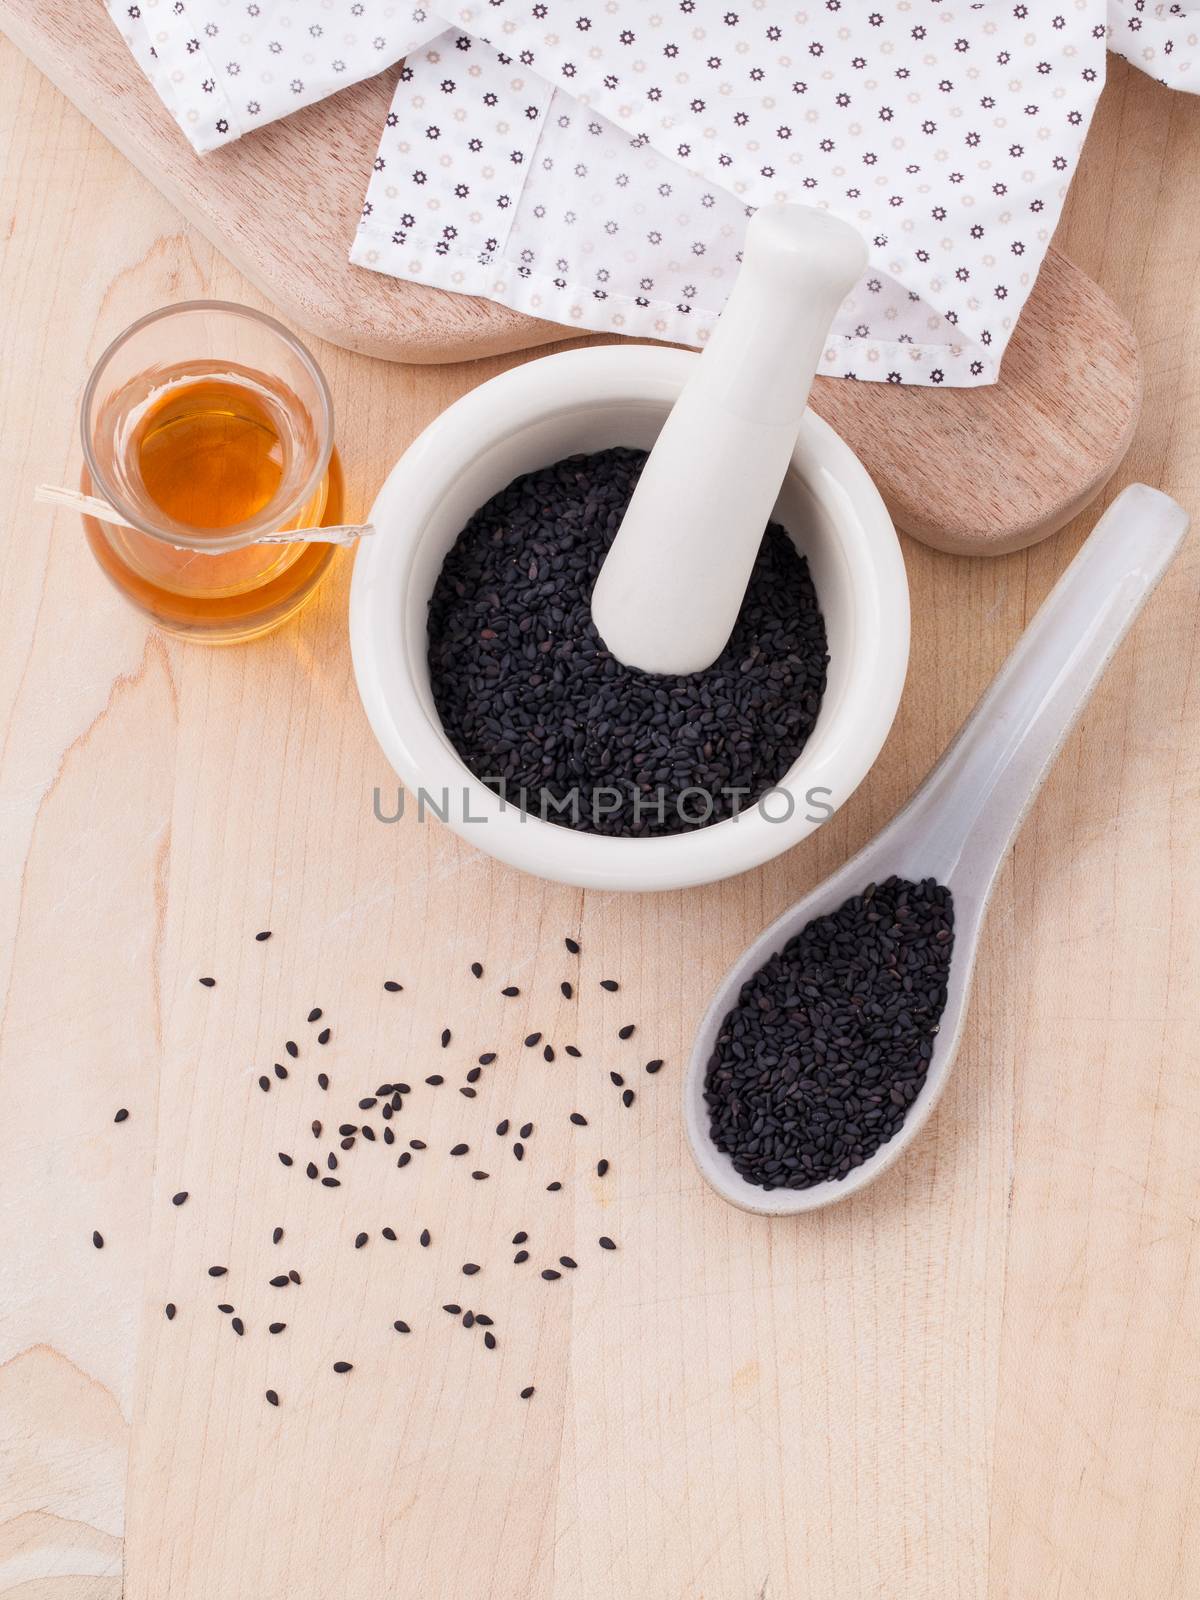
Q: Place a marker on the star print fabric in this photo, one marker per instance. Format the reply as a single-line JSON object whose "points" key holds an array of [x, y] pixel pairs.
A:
{"points": [[596, 164]]}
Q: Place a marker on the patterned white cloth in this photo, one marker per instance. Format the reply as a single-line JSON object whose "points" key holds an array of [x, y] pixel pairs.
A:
{"points": [[594, 162]]}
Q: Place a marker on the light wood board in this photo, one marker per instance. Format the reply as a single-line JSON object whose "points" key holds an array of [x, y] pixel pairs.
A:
{"points": [[976, 1381], [977, 471]]}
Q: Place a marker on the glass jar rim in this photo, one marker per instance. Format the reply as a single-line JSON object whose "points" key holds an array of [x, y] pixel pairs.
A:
{"points": [[213, 540]]}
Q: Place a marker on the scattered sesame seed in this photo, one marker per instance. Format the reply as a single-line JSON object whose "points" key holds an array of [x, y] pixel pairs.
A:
{"points": [[520, 1238], [343, 1366], [238, 1326], [602, 1166], [272, 1398], [553, 1188], [572, 945], [520, 1257], [511, 992], [315, 1014], [653, 1066], [479, 1176], [285, 1159], [392, 986], [276, 1327], [178, 1199], [279, 1281], [476, 970], [606, 1243], [425, 1238], [264, 1083], [292, 1048], [324, 1036], [459, 1149], [566, 1261], [445, 1037], [276, 1235], [527, 1392], [627, 1031], [518, 1151], [436, 1081], [526, 1129], [610, 984], [332, 1183], [360, 1239], [322, 1080], [169, 1310], [122, 1115], [487, 1058], [502, 1127], [531, 1039], [566, 990], [628, 1097], [470, 1268], [574, 1052], [263, 936], [489, 1340], [389, 1233], [209, 983], [217, 1272], [454, 1310], [579, 1119], [549, 1274]]}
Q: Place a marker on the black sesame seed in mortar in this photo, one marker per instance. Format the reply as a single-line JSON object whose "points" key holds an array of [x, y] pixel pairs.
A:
{"points": [[829, 1043], [538, 708]]}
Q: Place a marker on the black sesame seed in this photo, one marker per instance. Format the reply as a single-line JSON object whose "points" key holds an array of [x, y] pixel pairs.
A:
{"points": [[322, 1080], [389, 1233], [476, 969], [550, 1274], [263, 936], [424, 1239], [272, 1398], [445, 1037], [616, 1078], [566, 1261], [553, 1188], [482, 1320], [331, 1160], [626, 1032], [468, 1319], [392, 986], [528, 1392], [455, 1311], [285, 1159], [518, 1151], [502, 1128], [294, 1275], [226, 1308], [459, 1149], [470, 1268], [360, 1239], [264, 1083], [435, 1081], [343, 1366], [520, 1238], [606, 1243], [479, 1176], [468, 1094], [610, 984], [178, 1199], [526, 1129], [572, 945], [401, 1327], [653, 1066], [238, 1326], [276, 1327], [122, 1115], [489, 1340], [347, 1129], [628, 1097], [602, 1166], [829, 1043], [566, 989], [579, 1119], [572, 1051], [312, 1170], [281, 1071], [279, 1281], [403, 1158], [531, 1039], [292, 1048], [169, 1310], [487, 1058], [315, 1014], [521, 1255], [276, 1235], [332, 1183], [474, 1075], [511, 992], [209, 983], [324, 1036], [217, 1272], [548, 1052]]}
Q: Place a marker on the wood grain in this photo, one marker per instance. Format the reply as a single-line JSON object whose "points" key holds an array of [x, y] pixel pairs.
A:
{"points": [[977, 471], [978, 1380]]}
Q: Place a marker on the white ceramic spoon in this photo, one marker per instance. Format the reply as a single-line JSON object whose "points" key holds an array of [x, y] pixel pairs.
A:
{"points": [[673, 581], [959, 825]]}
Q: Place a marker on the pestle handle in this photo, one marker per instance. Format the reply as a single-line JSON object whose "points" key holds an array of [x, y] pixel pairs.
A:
{"points": [[673, 581]]}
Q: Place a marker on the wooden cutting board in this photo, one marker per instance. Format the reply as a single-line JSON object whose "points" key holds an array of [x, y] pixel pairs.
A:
{"points": [[973, 471]]}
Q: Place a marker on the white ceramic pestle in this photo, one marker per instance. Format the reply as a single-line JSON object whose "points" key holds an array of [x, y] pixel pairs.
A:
{"points": [[959, 825], [672, 584]]}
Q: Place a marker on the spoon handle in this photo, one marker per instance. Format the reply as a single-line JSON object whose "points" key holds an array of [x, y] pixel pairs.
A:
{"points": [[973, 803]]}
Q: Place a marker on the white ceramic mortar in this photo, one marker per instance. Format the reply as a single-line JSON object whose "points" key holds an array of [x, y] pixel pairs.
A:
{"points": [[594, 399]]}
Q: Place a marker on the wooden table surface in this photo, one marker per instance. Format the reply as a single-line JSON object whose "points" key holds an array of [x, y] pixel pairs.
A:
{"points": [[982, 1378]]}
